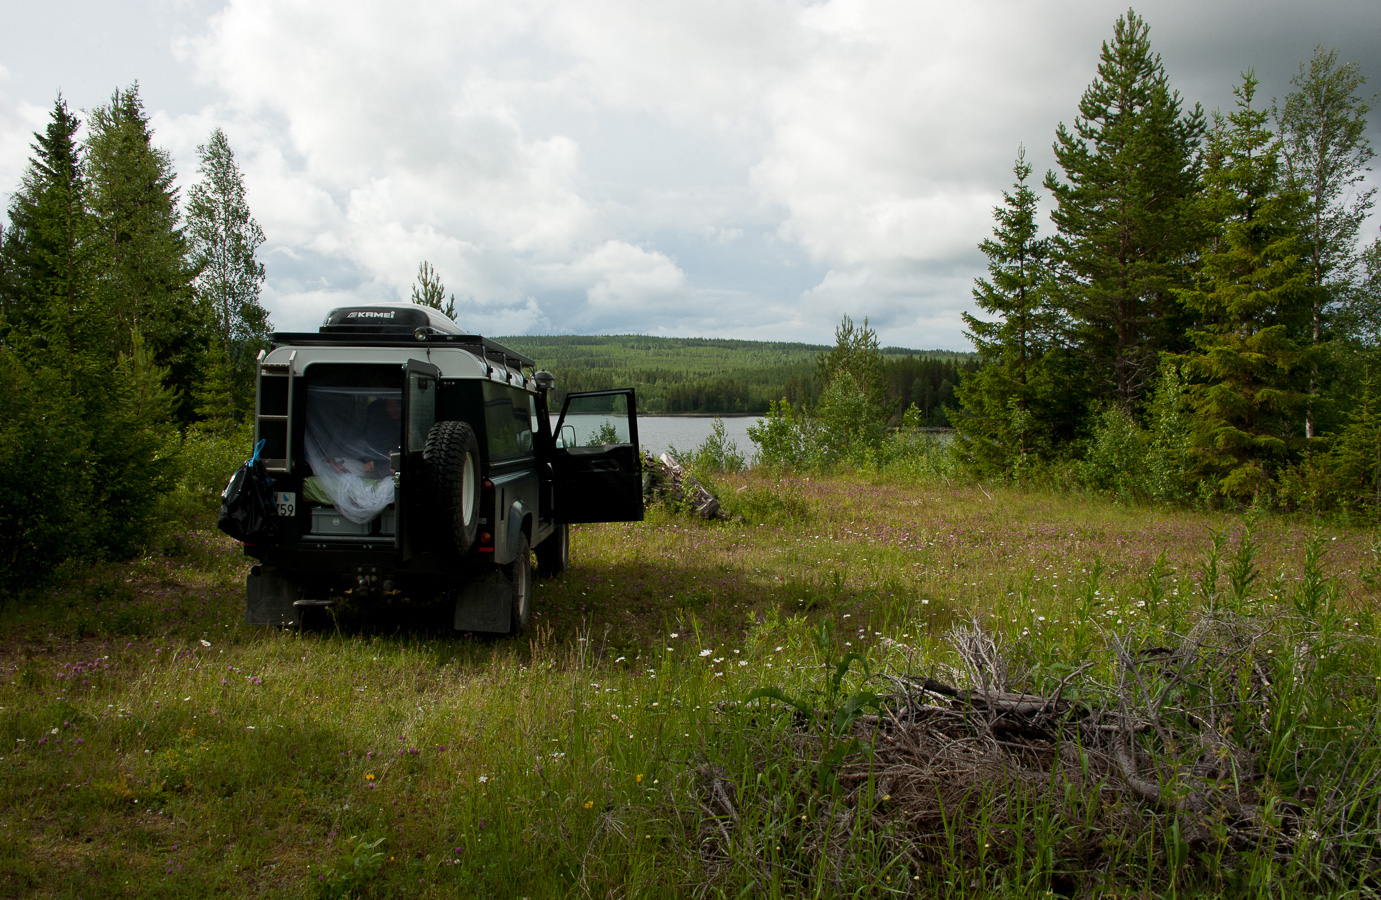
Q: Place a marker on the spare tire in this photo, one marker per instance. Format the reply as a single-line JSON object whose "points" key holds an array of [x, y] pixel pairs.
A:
{"points": [[452, 461]]}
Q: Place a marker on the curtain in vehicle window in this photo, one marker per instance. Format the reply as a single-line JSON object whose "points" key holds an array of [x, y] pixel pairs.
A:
{"points": [[348, 435]]}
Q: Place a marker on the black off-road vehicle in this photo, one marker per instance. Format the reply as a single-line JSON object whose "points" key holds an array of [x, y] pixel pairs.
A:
{"points": [[407, 456]]}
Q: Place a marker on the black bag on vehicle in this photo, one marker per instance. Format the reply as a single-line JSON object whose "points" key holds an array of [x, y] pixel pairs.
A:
{"points": [[247, 510]]}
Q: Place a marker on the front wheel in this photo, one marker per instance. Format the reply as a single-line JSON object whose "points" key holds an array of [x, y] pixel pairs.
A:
{"points": [[554, 554], [518, 574]]}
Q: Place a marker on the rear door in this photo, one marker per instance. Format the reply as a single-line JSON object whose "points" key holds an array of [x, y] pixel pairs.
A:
{"points": [[419, 415], [597, 468]]}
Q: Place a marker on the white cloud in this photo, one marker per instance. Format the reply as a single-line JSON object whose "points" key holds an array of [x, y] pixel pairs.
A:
{"points": [[732, 167], [622, 277], [19, 121]]}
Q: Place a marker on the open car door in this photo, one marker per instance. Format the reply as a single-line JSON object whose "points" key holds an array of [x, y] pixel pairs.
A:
{"points": [[597, 468]]}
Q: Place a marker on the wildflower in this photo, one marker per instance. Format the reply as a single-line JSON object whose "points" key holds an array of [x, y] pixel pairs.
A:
{"points": [[484, 779], [369, 777], [589, 804], [639, 779], [706, 652]]}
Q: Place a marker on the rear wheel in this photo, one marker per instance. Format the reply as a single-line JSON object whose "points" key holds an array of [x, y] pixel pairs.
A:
{"points": [[554, 554], [452, 457], [519, 576]]}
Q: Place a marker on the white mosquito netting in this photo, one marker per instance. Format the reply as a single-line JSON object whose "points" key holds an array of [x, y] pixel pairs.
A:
{"points": [[349, 434]]}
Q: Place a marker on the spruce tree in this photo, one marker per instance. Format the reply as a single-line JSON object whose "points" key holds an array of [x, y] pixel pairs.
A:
{"points": [[223, 237], [1124, 214], [145, 287], [1253, 299], [46, 249], [1005, 414], [1325, 149]]}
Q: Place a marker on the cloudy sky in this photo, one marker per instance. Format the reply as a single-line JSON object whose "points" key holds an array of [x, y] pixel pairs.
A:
{"points": [[729, 168]]}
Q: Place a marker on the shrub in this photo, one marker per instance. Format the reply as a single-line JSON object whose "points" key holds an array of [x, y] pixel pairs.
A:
{"points": [[716, 455], [780, 438], [46, 490], [1116, 459]]}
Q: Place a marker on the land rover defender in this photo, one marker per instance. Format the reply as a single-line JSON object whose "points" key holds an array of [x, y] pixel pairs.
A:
{"points": [[406, 456]]}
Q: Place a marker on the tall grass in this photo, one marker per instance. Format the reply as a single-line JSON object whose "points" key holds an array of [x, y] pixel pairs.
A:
{"points": [[154, 746]]}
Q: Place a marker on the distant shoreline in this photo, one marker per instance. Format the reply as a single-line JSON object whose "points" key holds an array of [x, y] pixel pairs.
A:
{"points": [[701, 415]]}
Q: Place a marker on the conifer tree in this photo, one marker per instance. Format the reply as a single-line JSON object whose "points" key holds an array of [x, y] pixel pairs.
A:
{"points": [[1356, 455], [856, 354], [1326, 151], [145, 283], [84, 422], [1124, 213], [223, 237], [46, 249], [1006, 403], [1252, 296], [429, 291]]}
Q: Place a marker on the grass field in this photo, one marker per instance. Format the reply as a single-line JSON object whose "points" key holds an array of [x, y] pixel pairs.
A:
{"points": [[151, 745]]}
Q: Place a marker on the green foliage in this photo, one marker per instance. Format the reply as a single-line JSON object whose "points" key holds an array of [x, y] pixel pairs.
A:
{"points": [[210, 452], [716, 455], [1325, 153], [83, 471], [713, 375], [141, 252], [846, 424], [1252, 295], [834, 720], [45, 490], [606, 433], [780, 438], [1124, 213], [222, 240], [1168, 452], [1006, 417], [46, 250], [1115, 462], [360, 864], [781, 502], [856, 357], [429, 291]]}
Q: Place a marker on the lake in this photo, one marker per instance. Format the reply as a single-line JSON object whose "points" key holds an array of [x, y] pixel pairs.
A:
{"points": [[657, 434]]}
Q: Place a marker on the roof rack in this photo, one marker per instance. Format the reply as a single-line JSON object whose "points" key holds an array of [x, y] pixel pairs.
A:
{"points": [[491, 352]]}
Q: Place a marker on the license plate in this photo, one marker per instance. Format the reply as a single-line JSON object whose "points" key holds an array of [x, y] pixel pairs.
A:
{"points": [[286, 501]]}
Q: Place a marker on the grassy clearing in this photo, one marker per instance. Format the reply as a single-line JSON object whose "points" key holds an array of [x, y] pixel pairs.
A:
{"points": [[153, 746]]}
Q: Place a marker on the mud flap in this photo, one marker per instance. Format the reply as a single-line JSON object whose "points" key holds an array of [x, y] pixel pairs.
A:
{"points": [[269, 599], [485, 603]]}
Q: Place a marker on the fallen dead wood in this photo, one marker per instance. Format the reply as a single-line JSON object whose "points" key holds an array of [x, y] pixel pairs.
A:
{"points": [[1171, 741], [667, 481]]}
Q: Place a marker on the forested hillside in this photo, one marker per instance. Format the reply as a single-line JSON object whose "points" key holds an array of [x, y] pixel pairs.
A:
{"points": [[715, 375]]}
